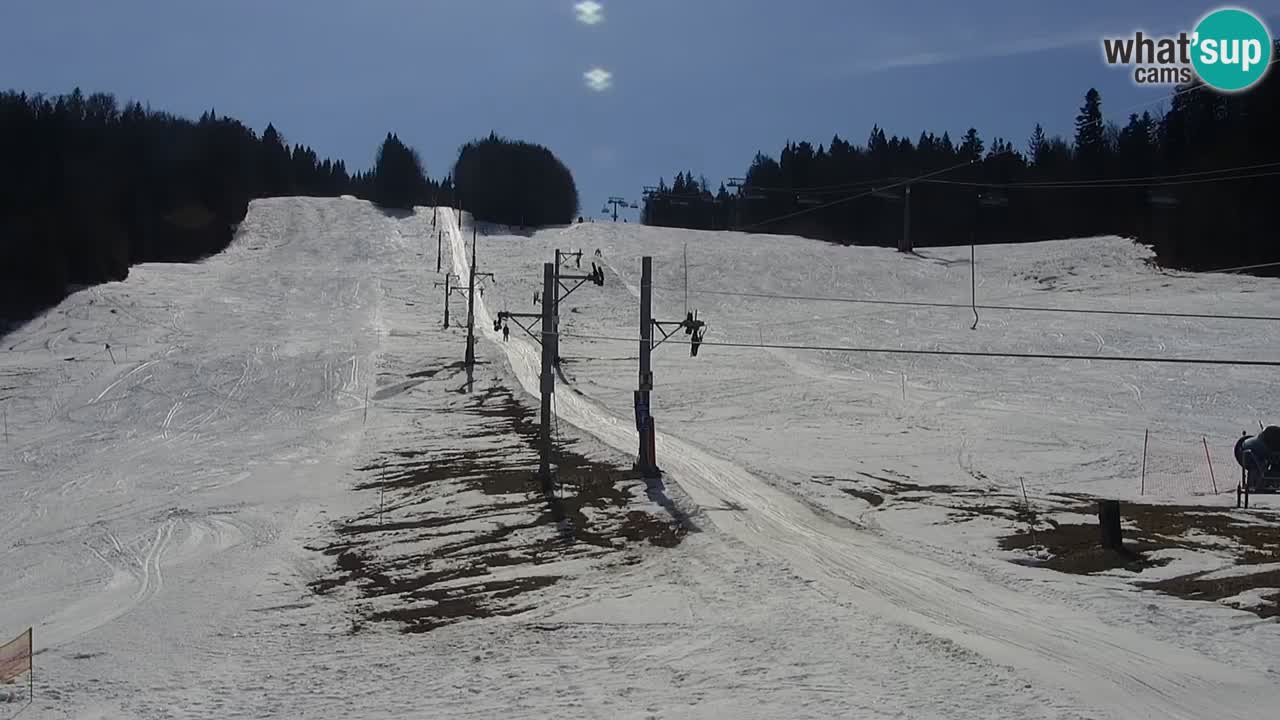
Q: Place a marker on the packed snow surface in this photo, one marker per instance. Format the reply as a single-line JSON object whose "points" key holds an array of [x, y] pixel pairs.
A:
{"points": [[176, 441]]}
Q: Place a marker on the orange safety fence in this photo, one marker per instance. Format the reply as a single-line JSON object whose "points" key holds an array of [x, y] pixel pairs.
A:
{"points": [[1184, 465], [15, 657]]}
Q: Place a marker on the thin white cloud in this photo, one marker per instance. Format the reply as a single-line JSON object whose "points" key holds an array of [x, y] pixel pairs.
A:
{"points": [[589, 12], [977, 51], [598, 79]]}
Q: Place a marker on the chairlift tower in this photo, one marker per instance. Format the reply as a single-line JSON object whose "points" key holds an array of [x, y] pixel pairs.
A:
{"points": [[617, 202], [744, 193]]}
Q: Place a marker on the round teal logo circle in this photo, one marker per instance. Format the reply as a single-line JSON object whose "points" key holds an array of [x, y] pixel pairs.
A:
{"points": [[1231, 49]]}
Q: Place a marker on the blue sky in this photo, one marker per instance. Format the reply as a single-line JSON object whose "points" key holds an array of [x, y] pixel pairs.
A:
{"points": [[696, 84]]}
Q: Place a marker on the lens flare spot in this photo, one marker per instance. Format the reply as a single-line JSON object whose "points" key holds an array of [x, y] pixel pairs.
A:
{"points": [[589, 12], [598, 79]]}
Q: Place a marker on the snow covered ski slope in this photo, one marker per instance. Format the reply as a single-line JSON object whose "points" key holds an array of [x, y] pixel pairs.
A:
{"points": [[1107, 665], [157, 497], [154, 496]]}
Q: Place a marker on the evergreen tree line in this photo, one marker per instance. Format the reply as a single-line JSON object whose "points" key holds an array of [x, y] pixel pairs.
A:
{"points": [[399, 179], [1084, 186], [511, 182], [89, 188]]}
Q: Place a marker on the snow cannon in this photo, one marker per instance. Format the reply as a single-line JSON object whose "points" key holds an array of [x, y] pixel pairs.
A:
{"points": [[1259, 459]]}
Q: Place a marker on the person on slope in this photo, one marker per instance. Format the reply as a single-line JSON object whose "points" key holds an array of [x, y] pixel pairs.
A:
{"points": [[506, 332]]}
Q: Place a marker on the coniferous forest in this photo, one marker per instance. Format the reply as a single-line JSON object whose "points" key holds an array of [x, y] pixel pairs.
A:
{"points": [[1157, 177], [514, 183], [89, 188]]}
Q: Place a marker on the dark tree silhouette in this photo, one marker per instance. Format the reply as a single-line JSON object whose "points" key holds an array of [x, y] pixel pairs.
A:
{"points": [[88, 188], [1059, 188], [399, 180], [514, 183]]}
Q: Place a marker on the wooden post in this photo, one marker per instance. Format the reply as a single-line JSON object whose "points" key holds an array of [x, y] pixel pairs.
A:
{"points": [[1142, 484], [904, 243], [1209, 460], [1109, 522], [548, 381], [1030, 522], [973, 282], [646, 462], [471, 305]]}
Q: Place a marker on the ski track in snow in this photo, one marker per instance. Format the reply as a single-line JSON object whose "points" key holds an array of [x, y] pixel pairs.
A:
{"points": [[1109, 668], [154, 509]]}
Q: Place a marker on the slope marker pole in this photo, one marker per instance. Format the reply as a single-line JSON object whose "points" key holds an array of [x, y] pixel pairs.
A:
{"points": [[1209, 460], [1030, 522], [973, 283], [1142, 487]]}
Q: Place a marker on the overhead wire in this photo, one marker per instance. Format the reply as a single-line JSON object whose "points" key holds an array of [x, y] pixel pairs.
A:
{"points": [[1145, 180], [1100, 184], [1176, 176], [966, 306], [851, 198], [1196, 177], [961, 353], [974, 161]]}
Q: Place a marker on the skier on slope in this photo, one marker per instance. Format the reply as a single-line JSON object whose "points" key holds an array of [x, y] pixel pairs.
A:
{"points": [[506, 332]]}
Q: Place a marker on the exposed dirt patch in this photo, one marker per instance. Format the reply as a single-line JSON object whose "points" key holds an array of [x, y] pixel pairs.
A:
{"points": [[1199, 587], [1252, 536], [1076, 548], [873, 499], [494, 537]]}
